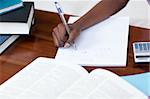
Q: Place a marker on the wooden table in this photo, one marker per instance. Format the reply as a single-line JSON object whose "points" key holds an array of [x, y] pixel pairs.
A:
{"points": [[40, 43]]}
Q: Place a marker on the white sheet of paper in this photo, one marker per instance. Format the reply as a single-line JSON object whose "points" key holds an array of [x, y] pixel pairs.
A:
{"points": [[104, 44], [71, 7]]}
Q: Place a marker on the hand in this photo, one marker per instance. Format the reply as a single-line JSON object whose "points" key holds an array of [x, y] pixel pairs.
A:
{"points": [[61, 38]]}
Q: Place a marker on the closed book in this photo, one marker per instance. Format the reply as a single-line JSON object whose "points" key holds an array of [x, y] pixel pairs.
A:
{"points": [[6, 41], [18, 21], [9, 5]]}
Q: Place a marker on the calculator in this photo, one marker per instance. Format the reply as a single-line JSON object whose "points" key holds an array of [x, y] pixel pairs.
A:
{"points": [[141, 51]]}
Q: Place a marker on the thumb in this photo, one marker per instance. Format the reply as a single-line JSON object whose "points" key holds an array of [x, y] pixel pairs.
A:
{"points": [[71, 39]]}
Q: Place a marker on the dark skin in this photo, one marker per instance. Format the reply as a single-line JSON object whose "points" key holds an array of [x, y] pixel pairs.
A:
{"points": [[100, 12]]}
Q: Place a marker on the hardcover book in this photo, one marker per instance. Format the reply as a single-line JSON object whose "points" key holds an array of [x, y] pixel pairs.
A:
{"points": [[18, 21], [6, 41]]}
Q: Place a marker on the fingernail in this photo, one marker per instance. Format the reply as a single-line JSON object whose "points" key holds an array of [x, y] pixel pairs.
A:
{"points": [[67, 45]]}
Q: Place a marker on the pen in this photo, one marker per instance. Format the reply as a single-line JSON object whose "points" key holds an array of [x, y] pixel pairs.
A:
{"points": [[61, 14]]}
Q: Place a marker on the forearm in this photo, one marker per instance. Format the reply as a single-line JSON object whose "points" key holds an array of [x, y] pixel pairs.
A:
{"points": [[100, 12]]}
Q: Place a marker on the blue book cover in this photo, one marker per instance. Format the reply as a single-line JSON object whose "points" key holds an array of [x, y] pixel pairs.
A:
{"points": [[6, 41], [3, 38], [140, 81], [9, 5]]}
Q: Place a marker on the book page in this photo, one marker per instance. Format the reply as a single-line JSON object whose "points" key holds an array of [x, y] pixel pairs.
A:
{"points": [[114, 87], [102, 84], [42, 79], [104, 44], [82, 88]]}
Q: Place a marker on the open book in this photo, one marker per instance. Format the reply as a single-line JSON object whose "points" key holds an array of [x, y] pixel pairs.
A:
{"points": [[49, 79]]}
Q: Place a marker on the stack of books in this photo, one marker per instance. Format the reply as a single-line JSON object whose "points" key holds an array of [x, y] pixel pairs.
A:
{"points": [[16, 18]]}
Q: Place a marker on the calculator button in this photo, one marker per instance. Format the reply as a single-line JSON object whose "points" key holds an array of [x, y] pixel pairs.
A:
{"points": [[136, 46], [140, 47], [145, 46], [148, 46]]}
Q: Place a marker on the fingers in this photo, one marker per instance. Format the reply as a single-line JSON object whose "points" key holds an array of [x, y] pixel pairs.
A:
{"points": [[61, 39], [56, 42], [72, 36], [59, 35], [62, 31], [70, 41]]}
